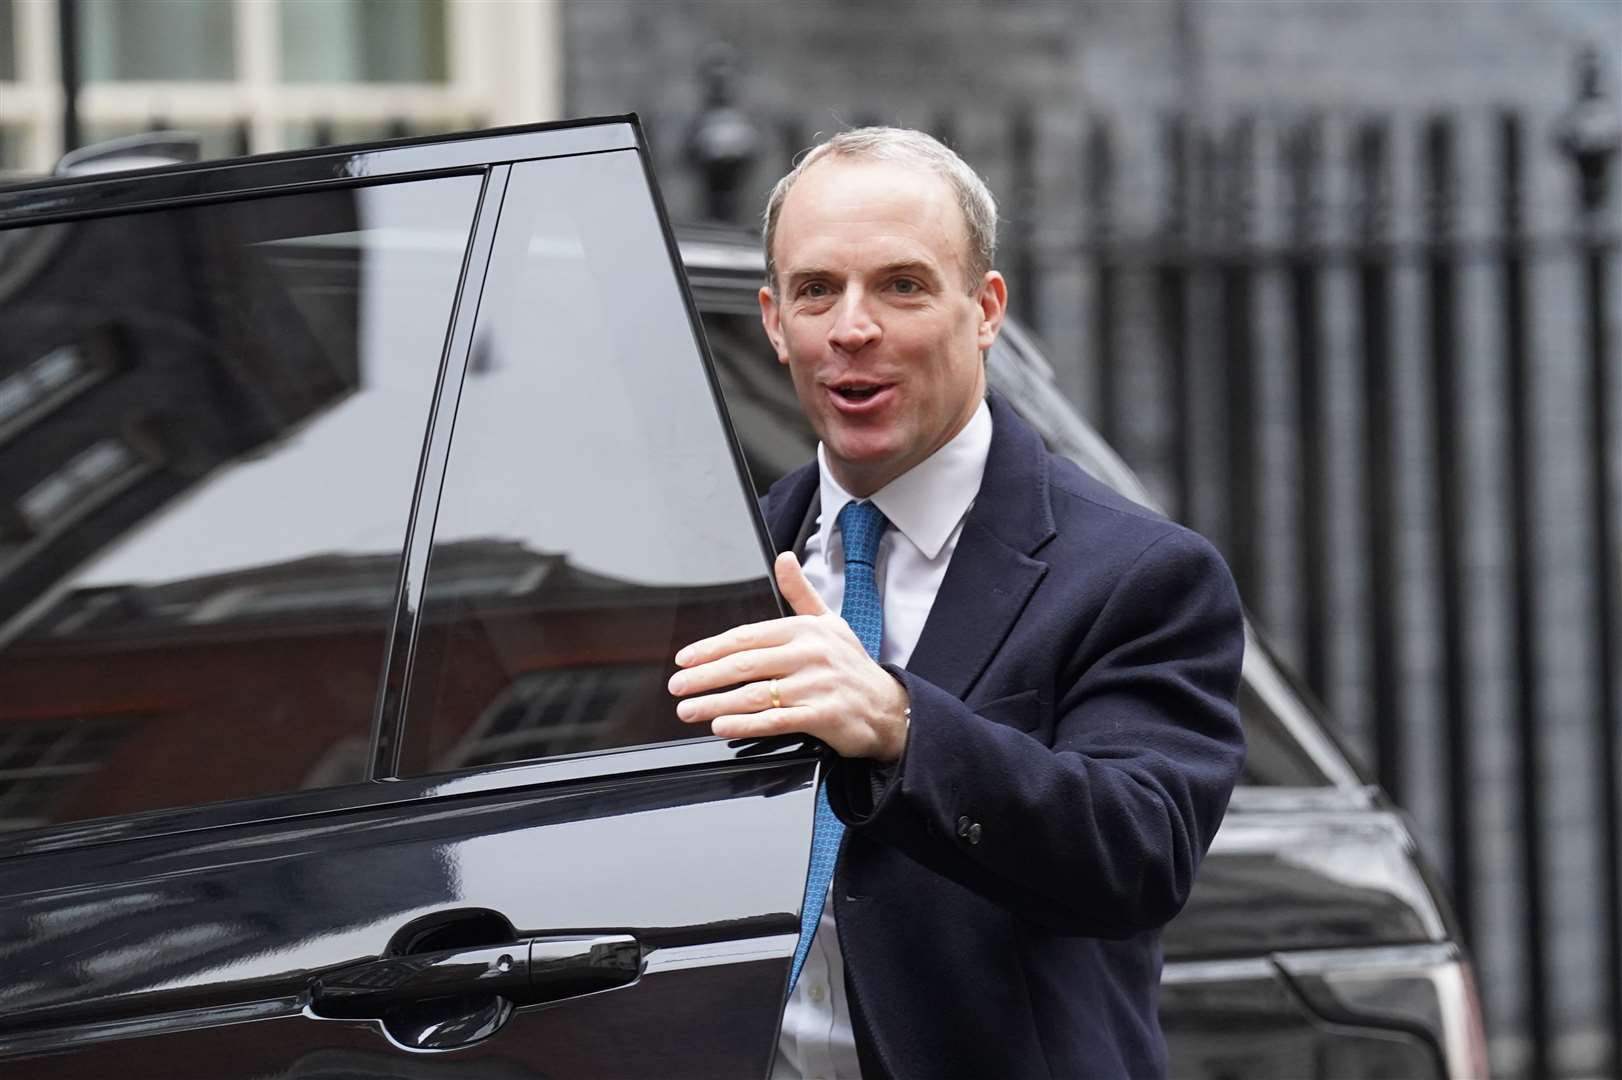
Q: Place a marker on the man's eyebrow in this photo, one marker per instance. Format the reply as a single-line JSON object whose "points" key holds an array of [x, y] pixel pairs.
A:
{"points": [[916, 267], [909, 266], [806, 272]]}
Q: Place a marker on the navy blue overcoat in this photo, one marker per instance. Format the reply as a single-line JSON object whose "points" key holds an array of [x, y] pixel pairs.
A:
{"points": [[1074, 741]]}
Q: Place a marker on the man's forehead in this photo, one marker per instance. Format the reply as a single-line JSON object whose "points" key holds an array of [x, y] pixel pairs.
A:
{"points": [[873, 246], [853, 185], [893, 211]]}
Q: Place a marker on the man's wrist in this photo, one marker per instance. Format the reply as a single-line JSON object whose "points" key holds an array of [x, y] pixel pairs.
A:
{"points": [[898, 722]]}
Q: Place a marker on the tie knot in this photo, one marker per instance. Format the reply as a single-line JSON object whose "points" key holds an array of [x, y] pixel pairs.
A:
{"points": [[860, 526]]}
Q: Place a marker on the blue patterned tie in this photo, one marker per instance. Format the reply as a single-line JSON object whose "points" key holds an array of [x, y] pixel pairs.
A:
{"points": [[860, 525]]}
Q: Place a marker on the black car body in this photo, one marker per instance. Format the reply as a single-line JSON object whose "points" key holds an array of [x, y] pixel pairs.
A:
{"points": [[352, 505]]}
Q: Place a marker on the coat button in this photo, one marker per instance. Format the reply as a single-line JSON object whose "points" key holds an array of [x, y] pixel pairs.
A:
{"points": [[963, 824], [974, 833]]}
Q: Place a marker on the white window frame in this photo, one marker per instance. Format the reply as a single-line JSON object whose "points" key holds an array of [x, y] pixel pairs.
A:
{"points": [[503, 60]]}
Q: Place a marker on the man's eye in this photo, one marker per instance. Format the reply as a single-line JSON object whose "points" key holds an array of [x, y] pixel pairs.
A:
{"points": [[814, 290], [906, 286]]}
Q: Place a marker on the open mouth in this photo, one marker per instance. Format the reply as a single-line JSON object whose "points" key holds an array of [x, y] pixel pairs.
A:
{"points": [[854, 392]]}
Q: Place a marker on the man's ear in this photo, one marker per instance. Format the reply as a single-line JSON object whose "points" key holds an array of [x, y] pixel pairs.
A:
{"points": [[771, 319], [992, 297]]}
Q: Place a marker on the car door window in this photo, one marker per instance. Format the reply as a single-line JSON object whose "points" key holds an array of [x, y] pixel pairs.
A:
{"points": [[210, 426], [772, 428], [593, 519]]}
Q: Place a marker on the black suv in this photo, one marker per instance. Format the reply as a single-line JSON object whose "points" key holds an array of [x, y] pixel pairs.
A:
{"points": [[352, 505]]}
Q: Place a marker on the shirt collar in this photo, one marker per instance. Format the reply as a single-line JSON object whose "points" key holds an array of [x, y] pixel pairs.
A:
{"points": [[926, 502]]}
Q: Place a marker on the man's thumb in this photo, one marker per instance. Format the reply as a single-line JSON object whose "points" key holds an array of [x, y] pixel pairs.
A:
{"points": [[796, 590]]}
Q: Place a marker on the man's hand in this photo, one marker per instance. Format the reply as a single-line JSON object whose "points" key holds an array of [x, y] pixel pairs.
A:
{"points": [[827, 685]]}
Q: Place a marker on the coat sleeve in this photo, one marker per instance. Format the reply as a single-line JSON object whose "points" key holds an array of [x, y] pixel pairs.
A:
{"points": [[1101, 832]]}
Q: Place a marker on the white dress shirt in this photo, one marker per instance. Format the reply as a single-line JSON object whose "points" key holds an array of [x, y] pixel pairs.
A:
{"points": [[926, 507]]}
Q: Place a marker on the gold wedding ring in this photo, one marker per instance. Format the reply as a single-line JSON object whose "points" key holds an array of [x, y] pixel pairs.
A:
{"points": [[777, 702]]}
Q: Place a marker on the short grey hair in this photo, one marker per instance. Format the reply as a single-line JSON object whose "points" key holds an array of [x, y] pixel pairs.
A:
{"points": [[904, 146]]}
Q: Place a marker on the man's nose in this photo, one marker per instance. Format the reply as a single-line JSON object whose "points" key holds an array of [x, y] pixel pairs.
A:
{"points": [[854, 327]]}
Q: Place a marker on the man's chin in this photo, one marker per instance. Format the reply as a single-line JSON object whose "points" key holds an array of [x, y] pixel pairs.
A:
{"points": [[861, 453], [863, 467]]}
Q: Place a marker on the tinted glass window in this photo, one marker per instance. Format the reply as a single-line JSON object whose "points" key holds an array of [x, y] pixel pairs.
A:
{"points": [[159, 39], [775, 435], [593, 519], [12, 149], [210, 426], [1287, 743], [1273, 758], [8, 41]]}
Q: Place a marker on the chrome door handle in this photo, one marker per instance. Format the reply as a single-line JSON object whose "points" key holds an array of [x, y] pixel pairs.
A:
{"points": [[452, 997], [562, 967]]}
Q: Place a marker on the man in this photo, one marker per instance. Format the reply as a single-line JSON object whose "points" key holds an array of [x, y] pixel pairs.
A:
{"points": [[1029, 698]]}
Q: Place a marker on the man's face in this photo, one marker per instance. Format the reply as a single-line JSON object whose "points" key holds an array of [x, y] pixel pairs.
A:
{"points": [[875, 317]]}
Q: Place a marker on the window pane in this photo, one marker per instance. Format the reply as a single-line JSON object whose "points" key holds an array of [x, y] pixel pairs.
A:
{"points": [[159, 39], [772, 428], [8, 41], [1273, 757], [363, 40], [210, 426], [593, 519], [11, 149]]}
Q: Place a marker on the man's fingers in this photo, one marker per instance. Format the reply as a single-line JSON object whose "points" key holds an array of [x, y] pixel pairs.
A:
{"points": [[760, 724], [758, 635], [753, 698], [796, 590], [746, 665]]}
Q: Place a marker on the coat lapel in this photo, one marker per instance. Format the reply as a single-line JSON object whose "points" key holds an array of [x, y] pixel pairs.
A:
{"points": [[993, 571]]}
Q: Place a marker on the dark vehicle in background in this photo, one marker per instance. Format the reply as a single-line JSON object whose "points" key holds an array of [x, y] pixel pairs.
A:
{"points": [[353, 503]]}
